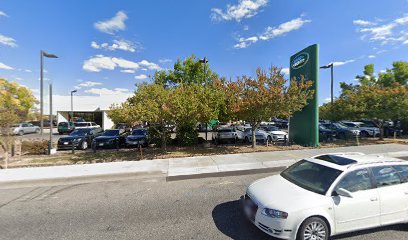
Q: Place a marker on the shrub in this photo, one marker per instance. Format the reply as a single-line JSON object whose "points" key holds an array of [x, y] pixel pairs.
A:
{"points": [[155, 136], [34, 147], [186, 135]]}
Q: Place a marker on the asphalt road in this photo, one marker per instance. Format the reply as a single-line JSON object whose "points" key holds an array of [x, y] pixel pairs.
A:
{"points": [[140, 209]]}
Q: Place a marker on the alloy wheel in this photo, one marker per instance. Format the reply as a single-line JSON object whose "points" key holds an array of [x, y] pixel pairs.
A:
{"points": [[314, 231]]}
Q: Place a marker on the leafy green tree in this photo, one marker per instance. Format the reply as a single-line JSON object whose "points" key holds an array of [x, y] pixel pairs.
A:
{"points": [[258, 99], [398, 74], [368, 78], [15, 104]]}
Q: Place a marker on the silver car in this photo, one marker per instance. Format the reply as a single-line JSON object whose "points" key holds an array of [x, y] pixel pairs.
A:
{"points": [[225, 135], [24, 128]]}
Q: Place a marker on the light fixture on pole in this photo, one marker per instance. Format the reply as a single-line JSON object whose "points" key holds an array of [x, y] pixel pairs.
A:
{"points": [[330, 65], [72, 105], [205, 61], [42, 55]]}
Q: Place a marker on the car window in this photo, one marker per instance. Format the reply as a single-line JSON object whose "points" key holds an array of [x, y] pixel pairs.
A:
{"points": [[403, 171], [24, 125], [386, 176], [356, 181], [30, 125]]}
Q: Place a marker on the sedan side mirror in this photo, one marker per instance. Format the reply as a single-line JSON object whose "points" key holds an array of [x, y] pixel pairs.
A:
{"points": [[344, 193]]}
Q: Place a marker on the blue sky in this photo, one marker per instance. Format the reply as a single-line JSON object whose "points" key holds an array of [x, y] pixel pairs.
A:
{"points": [[105, 47]]}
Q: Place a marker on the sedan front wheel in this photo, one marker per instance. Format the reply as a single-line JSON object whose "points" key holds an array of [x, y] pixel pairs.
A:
{"points": [[313, 228]]}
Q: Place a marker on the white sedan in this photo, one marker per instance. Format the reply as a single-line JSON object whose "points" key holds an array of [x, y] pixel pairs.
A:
{"points": [[330, 194]]}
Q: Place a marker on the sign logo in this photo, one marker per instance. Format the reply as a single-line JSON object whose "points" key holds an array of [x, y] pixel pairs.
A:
{"points": [[300, 60]]}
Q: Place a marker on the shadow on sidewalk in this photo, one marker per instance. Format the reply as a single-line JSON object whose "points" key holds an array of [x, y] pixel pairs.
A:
{"points": [[231, 221]]}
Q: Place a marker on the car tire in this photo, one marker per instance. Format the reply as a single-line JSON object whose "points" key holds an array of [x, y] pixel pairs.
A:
{"points": [[364, 134], [313, 228], [246, 140], [269, 139], [84, 145], [21, 133], [37, 130]]}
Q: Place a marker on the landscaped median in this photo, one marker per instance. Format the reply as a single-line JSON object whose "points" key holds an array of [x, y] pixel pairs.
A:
{"points": [[179, 168]]}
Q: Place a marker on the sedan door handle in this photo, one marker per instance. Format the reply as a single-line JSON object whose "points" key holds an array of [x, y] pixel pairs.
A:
{"points": [[373, 199]]}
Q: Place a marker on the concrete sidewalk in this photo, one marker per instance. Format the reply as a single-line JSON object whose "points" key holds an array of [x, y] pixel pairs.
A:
{"points": [[179, 167]]}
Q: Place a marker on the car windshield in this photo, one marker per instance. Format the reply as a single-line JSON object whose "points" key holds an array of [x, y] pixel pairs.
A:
{"points": [[111, 133], [138, 132], [81, 124], [225, 130], [311, 176], [339, 125], [80, 132]]}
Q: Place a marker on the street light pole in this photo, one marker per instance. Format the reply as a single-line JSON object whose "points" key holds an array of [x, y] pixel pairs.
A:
{"points": [[42, 55], [51, 122], [205, 61], [72, 105], [331, 71]]}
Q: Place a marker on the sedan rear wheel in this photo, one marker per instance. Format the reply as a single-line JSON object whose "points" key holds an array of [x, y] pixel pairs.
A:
{"points": [[21, 133], [313, 228]]}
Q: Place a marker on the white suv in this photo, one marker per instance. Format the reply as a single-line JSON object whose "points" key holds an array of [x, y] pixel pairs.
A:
{"points": [[24, 128], [79, 125], [330, 194]]}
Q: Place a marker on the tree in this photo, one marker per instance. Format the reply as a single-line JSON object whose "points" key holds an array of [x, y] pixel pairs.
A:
{"points": [[258, 99], [150, 103], [15, 104], [398, 74], [368, 78]]}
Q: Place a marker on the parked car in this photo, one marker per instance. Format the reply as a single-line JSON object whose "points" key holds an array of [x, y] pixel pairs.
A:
{"points": [[201, 127], [24, 128], [227, 134], [46, 123], [342, 131], [126, 127], [65, 127], [80, 138], [112, 138], [240, 129], [365, 129], [330, 194], [86, 125], [260, 135], [138, 136], [275, 134], [326, 134]]}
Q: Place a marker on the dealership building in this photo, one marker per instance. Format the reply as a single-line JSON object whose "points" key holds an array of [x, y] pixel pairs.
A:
{"points": [[98, 116]]}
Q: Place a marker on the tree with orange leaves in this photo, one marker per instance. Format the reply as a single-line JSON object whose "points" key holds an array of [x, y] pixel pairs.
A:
{"points": [[268, 95]]}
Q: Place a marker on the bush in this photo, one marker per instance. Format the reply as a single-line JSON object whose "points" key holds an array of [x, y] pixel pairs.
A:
{"points": [[37, 147], [155, 136], [186, 135]]}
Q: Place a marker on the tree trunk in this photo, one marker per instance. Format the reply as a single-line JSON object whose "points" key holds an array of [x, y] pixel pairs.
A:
{"points": [[163, 136], [6, 158], [381, 125], [254, 126]]}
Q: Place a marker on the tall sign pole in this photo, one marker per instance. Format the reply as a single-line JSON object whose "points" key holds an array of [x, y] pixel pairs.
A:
{"points": [[304, 125]]}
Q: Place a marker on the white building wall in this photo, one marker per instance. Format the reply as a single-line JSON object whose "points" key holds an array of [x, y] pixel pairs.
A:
{"points": [[61, 118], [106, 121]]}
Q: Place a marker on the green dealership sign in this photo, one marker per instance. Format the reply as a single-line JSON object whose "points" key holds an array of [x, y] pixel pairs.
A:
{"points": [[304, 125]]}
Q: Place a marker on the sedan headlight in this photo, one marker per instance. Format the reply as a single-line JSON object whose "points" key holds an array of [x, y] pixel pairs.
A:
{"points": [[273, 213]]}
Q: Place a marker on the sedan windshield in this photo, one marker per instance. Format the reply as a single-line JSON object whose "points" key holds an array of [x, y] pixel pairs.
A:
{"points": [[80, 132], [311, 176], [111, 133], [138, 132]]}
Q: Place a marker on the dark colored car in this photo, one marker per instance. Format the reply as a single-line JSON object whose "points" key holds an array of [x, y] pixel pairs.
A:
{"points": [[65, 127], [138, 136], [80, 138], [326, 134], [342, 131], [112, 138]]}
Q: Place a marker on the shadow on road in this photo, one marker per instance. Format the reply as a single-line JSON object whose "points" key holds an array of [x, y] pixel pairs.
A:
{"points": [[230, 220]]}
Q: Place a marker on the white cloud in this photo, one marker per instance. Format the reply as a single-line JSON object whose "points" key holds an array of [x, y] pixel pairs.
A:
{"points": [[88, 84], [363, 23], [336, 64], [124, 45], [5, 67], [244, 9], [100, 62], [128, 71], [371, 56], [272, 32], [8, 41], [3, 14], [164, 61], [389, 32], [112, 25], [149, 65], [285, 71], [141, 77], [326, 100], [105, 91]]}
